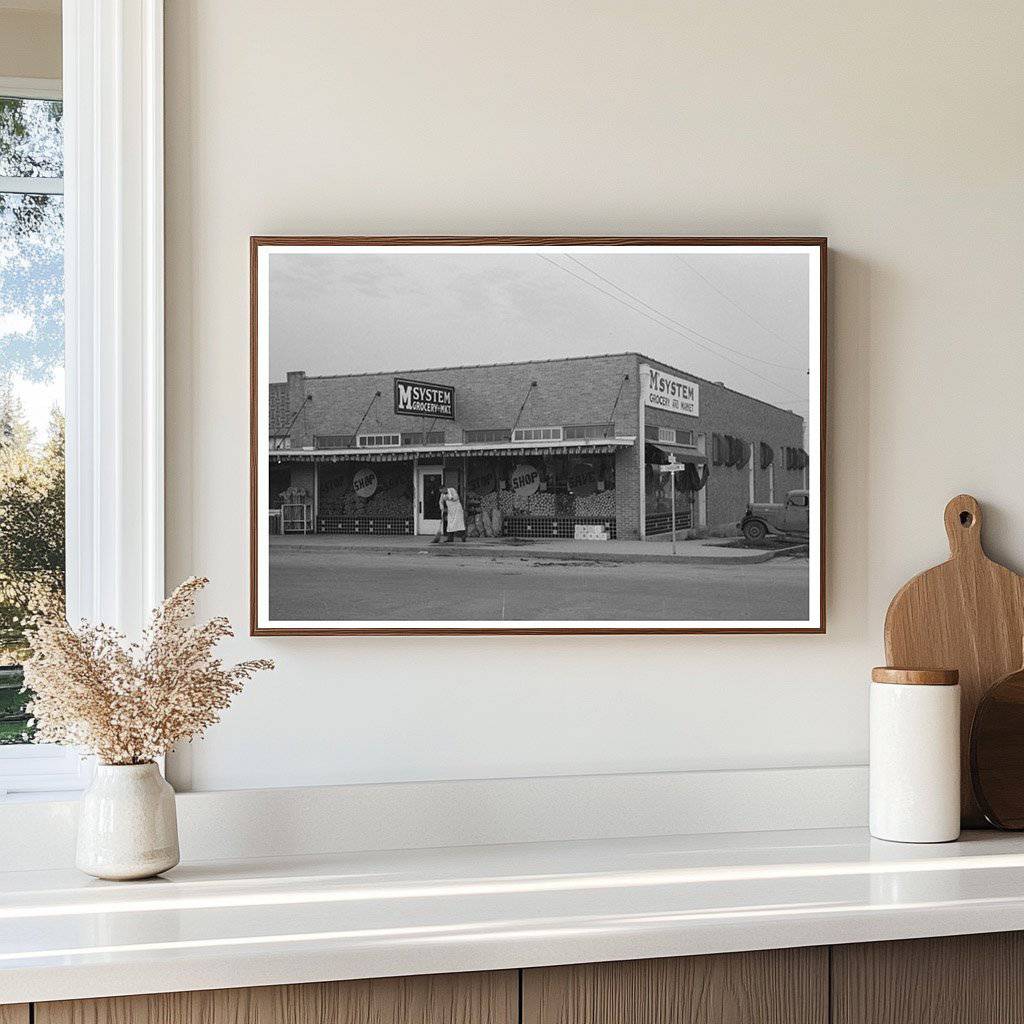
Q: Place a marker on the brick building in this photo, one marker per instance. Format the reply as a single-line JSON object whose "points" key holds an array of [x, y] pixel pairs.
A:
{"points": [[553, 444]]}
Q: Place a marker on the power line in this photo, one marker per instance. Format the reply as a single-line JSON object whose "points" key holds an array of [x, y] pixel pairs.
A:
{"points": [[679, 323], [664, 326], [730, 299]]}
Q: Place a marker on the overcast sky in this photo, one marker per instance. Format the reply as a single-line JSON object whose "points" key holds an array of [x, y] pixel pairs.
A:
{"points": [[737, 318]]}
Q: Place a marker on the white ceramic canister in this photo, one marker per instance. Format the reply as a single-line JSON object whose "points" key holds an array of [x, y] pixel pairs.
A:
{"points": [[915, 755]]}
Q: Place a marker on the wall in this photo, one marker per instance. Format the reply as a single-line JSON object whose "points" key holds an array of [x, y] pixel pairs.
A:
{"points": [[30, 39], [895, 129]]}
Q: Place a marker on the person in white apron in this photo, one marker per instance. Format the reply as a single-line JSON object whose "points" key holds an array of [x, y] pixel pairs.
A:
{"points": [[453, 518]]}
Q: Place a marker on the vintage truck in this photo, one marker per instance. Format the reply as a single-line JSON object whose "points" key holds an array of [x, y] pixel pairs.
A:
{"points": [[790, 519]]}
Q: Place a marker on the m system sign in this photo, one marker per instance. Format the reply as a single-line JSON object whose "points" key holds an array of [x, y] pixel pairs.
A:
{"points": [[673, 394], [417, 398]]}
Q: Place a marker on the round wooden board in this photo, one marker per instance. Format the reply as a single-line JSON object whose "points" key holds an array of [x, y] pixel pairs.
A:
{"points": [[997, 753]]}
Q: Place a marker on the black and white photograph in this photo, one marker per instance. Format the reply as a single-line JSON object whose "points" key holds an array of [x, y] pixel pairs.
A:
{"points": [[550, 435]]}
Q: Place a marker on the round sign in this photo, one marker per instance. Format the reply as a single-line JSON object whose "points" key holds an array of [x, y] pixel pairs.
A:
{"points": [[525, 480], [582, 479], [364, 483]]}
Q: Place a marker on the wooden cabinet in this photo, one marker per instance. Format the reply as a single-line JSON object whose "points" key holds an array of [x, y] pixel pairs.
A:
{"points": [[491, 998], [779, 986], [963, 979], [969, 979]]}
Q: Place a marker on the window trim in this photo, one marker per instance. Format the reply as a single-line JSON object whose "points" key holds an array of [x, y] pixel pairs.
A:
{"points": [[31, 89], [113, 114], [519, 434], [381, 440], [112, 89]]}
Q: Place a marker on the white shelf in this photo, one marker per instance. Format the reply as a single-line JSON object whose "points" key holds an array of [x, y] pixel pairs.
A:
{"points": [[351, 915]]}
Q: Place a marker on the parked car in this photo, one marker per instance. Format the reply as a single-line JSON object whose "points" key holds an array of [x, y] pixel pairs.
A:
{"points": [[791, 519]]}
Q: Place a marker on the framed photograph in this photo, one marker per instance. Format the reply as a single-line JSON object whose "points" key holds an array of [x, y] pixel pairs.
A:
{"points": [[537, 435]]}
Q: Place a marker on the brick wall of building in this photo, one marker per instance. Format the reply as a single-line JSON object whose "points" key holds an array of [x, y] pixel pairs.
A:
{"points": [[569, 391], [627, 493], [724, 411]]}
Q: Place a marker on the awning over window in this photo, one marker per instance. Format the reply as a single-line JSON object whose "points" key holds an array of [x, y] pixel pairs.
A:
{"points": [[598, 446], [681, 452]]}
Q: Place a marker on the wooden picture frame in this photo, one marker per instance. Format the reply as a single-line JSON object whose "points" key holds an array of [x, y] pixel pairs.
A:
{"points": [[262, 623]]}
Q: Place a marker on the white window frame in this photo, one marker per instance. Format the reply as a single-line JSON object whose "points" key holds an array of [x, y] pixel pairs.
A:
{"points": [[378, 440], [537, 434], [31, 89], [114, 322]]}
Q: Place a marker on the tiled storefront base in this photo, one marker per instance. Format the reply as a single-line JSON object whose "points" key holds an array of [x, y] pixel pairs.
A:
{"points": [[526, 527], [381, 526], [551, 526], [662, 522]]}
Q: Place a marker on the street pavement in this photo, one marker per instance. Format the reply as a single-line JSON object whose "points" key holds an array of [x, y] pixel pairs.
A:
{"points": [[353, 584]]}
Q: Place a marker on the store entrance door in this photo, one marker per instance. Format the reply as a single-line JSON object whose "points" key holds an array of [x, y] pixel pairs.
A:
{"points": [[429, 481]]}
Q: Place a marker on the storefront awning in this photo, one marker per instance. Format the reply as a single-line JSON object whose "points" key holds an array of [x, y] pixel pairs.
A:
{"points": [[681, 452], [407, 453]]}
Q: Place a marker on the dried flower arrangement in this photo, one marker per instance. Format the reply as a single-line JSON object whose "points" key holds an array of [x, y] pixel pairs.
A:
{"points": [[129, 703]]}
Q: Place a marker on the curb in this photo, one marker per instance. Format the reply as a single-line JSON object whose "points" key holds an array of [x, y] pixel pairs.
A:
{"points": [[625, 557], [458, 549]]}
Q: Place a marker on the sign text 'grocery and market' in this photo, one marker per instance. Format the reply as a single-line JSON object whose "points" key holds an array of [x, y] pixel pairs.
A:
{"points": [[673, 394]]}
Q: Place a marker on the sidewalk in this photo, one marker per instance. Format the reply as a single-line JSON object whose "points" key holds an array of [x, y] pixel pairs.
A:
{"points": [[690, 552]]}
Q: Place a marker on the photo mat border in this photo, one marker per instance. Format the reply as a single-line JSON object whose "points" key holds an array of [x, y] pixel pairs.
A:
{"points": [[258, 242]]}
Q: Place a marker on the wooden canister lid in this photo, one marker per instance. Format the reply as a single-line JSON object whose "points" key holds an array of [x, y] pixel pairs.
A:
{"points": [[916, 676]]}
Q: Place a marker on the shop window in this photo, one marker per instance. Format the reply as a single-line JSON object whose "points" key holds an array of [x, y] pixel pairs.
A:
{"points": [[279, 443], [552, 492], [498, 436], [537, 434], [378, 440], [577, 432], [333, 440], [354, 497]]}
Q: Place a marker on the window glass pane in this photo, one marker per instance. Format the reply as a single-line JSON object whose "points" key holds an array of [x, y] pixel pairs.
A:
{"points": [[31, 430], [31, 138]]}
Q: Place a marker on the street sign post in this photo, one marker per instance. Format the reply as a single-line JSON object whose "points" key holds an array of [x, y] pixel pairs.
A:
{"points": [[673, 467]]}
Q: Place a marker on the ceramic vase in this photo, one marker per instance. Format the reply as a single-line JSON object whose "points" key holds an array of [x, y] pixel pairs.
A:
{"points": [[127, 826]]}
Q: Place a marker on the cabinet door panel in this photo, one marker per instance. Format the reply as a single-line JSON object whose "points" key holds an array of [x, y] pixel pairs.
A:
{"points": [[480, 998], [779, 986], [14, 1013], [961, 979]]}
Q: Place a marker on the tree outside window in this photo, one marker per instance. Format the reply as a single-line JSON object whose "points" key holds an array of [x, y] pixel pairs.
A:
{"points": [[31, 385]]}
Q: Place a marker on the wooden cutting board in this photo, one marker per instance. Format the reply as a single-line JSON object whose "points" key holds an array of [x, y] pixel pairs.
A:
{"points": [[967, 614]]}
